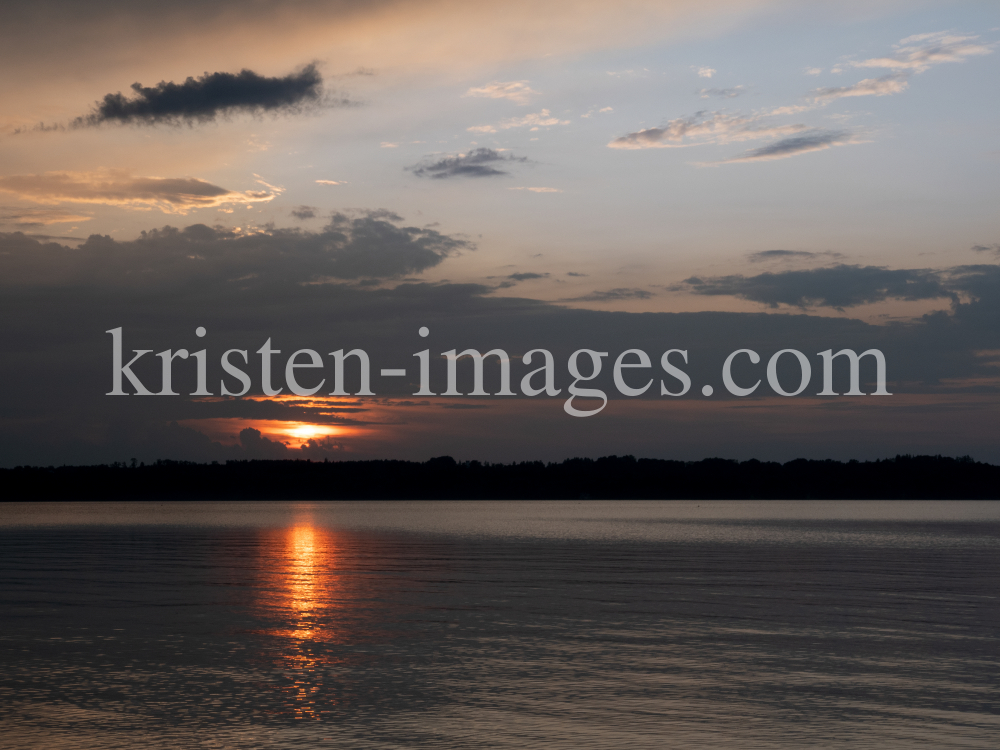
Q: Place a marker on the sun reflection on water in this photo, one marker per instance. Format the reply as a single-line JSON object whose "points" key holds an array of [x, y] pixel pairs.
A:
{"points": [[307, 597], [302, 555], [331, 602]]}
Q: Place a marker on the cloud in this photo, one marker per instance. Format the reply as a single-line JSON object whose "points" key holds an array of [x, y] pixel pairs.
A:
{"points": [[480, 162], [366, 244], [389, 144], [612, 295], [304, 212], [791, 109], [515, 278], [50, 237], [719, 127], [816, 140], [39, 217], [543, 119], [203, 99], [770, 255], [705, 72], [839, 287], [330, 182], [277, 189], [778, 254], [729, 93], [919, 52], [813, 71], [538, 189], [631, 73], [113, 187], [981, 282], [516, 91], [987, 248], [574, 273], [165, 283], [884, 86], [701, 128]]}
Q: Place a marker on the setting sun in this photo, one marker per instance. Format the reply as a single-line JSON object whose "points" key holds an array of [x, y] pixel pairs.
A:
{"points": [[310, 431]]}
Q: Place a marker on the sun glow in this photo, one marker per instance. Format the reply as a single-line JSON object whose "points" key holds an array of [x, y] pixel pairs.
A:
{"points": [[293, 433], [303, 431]]}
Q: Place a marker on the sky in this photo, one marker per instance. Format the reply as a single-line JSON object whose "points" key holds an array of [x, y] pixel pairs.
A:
{"points": [[701, 176]]}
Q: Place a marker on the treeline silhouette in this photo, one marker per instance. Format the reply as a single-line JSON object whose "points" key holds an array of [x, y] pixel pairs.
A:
{"points": [[612, 478]]}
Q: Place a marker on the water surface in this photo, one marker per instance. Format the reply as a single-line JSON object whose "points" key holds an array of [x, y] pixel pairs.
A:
{"points": [[500, 625]]}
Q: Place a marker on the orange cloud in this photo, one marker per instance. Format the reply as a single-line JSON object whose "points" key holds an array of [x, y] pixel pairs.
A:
{"points": [[113, 187]]}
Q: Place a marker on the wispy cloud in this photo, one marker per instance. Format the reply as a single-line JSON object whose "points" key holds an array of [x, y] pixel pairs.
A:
{"points": [[815, 140], [480, 162], [629, 73], [913, 55], [919, 52], [274, 188], [763, 256], [518, 92], [790, 109], [537, 189], [730, 93], [39, 217], [704, 127], [50, 237], [612, 295], [535, 120], [516, 278], [204, 98], [176, 195], [705, 72], [330, 182], [995, 248], [883, 86], [838, 287]]}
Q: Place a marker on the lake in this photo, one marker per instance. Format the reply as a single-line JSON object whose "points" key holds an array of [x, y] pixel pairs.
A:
{"points": [[590, 624]]}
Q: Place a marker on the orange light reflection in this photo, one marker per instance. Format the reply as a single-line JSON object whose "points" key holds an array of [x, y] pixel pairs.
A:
{"points": [[306, 595], [324, 592]]}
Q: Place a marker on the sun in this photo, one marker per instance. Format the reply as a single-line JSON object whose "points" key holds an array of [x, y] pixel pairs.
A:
{"points": [[309, 431]]}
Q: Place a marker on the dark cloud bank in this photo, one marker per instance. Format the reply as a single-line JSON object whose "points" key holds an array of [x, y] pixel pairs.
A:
{"points": [[329, 290], [369, 244], [207, 97]]}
